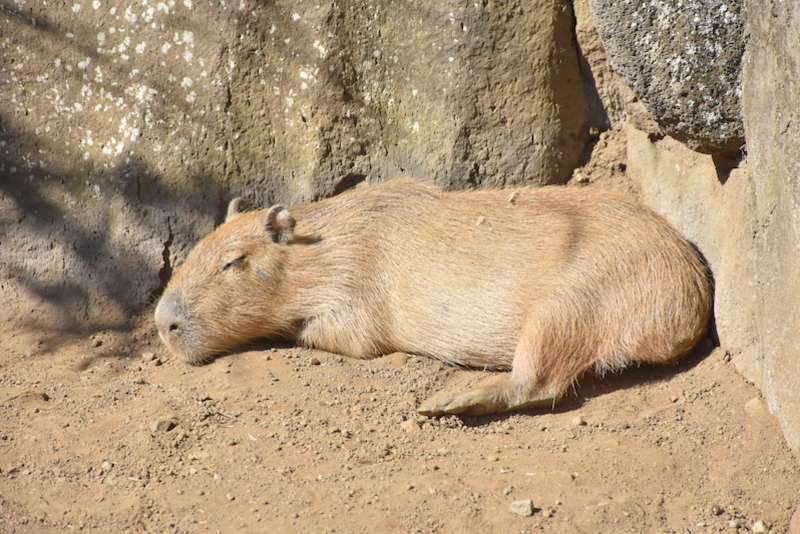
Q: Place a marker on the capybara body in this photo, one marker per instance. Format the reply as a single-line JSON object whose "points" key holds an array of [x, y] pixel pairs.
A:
{"points": [[547, 282]]}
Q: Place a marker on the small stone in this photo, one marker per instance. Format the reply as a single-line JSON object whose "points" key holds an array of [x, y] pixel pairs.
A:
{"points": [[578, 421], [410, 426], [508, 490], [492, 459], [759, 527], [717, 509], [523, 507], [314, 361], [733, 523], [673, 399], [163, 425], [105, 467], [756, 407], [148, 356], [547, 512], [229, 497]]}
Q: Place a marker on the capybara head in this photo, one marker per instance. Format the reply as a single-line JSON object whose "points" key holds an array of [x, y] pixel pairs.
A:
{"points": [[220, 296]]}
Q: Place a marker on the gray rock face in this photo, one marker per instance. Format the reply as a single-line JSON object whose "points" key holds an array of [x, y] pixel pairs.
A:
{"points": [[126, 127], [682, 59], [771, 83]]}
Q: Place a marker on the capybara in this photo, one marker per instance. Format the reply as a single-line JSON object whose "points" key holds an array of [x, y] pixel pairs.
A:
{"points": [[548, 282]]}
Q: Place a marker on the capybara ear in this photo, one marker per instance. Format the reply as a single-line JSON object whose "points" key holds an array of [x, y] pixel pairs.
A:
{"points": [[234, 208], [279, 224]]}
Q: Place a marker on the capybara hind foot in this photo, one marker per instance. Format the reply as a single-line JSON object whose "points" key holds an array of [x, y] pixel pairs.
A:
{"points": [[495, 395]]}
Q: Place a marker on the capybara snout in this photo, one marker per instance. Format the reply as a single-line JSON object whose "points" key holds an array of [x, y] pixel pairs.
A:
{"points": [[547, 282]]}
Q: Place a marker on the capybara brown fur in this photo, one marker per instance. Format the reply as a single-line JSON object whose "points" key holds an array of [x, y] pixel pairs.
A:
{"points": [[547, 282]]}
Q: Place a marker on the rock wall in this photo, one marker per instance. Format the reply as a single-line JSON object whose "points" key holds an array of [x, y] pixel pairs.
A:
{"points": [[771, 98], [126, 126]]}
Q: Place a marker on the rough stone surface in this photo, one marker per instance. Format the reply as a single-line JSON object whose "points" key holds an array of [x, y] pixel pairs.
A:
{"points": [[682, 59], [771, 100], [523, 507], [125, 126], [609, 101]]}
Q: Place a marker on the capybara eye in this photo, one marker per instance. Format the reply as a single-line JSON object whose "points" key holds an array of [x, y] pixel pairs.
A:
{"points": [[233, 263]]}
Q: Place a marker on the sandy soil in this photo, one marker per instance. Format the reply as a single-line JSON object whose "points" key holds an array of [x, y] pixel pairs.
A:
{"points": [[288, 440]]}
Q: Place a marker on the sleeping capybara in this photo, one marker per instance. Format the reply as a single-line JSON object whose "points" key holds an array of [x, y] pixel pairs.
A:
{"points": [[547, 282]]}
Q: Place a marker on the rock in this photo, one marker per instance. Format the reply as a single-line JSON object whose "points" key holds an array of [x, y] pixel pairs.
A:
{"points": [[163, 425], [683, 61], [771, 108], [717, 509], [496, 100], [230, 497], [148, 356], [314, 361], [410, 426], [523, 507], [609, 101], [758, 527], [756, 407], [577, 421], [105, 467]]}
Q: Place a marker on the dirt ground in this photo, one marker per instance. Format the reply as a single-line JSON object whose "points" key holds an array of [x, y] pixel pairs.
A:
{"points": [[108, 433]]}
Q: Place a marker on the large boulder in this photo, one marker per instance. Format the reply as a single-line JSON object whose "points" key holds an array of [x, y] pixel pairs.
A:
{"points": [[682, 60], [126, 126], [771, 99]]}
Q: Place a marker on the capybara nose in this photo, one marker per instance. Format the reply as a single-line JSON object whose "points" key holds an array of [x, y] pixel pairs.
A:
{"points": [[168, 315]]}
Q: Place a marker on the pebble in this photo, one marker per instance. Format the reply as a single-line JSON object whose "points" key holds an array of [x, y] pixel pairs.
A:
{"points": [[508, 490], [148, 356], [578, 421], [229, 497], [315, 361], [410, 426], [717, 509], [492, 459], [163, 425], [105, 467], [523, 507], [756, 407], [759, 527]]}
